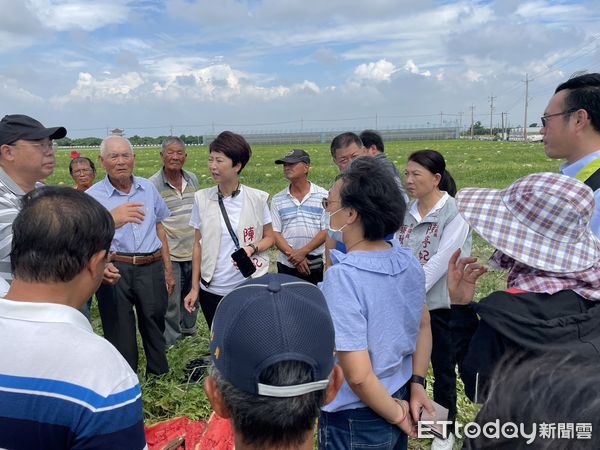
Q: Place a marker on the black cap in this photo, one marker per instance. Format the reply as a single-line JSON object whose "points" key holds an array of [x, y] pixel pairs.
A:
{"points": [[18, 126], [295, 156], [271, 319]]}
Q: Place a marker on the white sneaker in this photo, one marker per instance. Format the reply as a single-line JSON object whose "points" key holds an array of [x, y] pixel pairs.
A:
{"points": [[443, 444]]}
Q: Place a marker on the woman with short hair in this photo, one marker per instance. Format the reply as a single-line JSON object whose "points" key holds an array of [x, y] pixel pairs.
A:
{"points": [[375, 293], [227, 206]]}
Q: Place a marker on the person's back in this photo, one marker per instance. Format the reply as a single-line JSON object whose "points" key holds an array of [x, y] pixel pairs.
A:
{"points": [[273, 366], [549, 402], [61, 385]]}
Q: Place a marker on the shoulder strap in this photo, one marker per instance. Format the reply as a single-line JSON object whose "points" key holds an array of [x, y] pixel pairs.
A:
{"points": [[227, 222], [590, 174], [594, 180]]}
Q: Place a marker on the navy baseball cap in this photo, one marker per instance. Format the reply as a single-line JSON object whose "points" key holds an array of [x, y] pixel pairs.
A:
{"points": [[18, 126], [294, 156], [271, 319]]}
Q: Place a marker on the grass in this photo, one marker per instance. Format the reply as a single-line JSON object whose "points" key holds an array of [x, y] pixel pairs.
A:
{"points": [[472, 163]]}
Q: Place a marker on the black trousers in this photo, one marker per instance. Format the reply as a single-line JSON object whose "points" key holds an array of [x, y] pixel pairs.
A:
{"points": [[142, 288], [316, 275], [209, 303], [451, 331]]}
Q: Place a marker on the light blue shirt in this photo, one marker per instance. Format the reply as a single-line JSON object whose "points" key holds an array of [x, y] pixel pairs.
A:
{"points": [[133, 237], [571, 170], [376, 300]]}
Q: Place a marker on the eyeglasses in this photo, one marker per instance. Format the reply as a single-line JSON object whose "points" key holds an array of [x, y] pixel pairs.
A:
{"points": [[544, 118], [115, 156], [326, 202], [82, 171], [44, 145]]}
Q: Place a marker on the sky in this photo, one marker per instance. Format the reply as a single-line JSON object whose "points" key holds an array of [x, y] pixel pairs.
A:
{"points": [[202, 66]]}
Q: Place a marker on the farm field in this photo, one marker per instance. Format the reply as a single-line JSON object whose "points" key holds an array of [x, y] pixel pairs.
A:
{"points": [[472, 163]]}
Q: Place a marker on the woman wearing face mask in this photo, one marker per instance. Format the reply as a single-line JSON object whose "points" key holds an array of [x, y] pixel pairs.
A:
{"points": [[433, 229], [375, 293], [214, 273]]}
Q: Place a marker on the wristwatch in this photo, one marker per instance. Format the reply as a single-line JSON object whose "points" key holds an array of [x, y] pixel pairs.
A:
{"points": [[419, 380], [254, 249]]}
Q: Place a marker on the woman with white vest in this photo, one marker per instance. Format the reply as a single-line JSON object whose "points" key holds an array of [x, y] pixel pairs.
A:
{"points": [[227, 217], [433, 229]]}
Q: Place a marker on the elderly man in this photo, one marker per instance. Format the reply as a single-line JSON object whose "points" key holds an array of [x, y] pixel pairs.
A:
{"points": [[571, 130], [26, 156], [141, 264], [297, 214], [177, 187], [61, 385], [268, 378]]}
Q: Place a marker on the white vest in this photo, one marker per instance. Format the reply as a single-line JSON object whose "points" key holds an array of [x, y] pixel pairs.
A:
{"points": [[423, 239], [250, 228]]}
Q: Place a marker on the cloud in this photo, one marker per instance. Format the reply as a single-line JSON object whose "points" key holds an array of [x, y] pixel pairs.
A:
{"points": [[411, 67], [11, 92], [381, 70], [472, 75], [87, 15], [222, 83], [113, 90]]}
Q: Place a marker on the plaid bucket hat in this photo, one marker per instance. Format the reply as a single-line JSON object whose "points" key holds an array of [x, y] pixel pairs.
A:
{"points": [[541, 220]]}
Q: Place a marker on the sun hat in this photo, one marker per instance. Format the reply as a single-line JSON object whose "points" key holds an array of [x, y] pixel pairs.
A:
{"points": [[271, 319], [294, 156], [541, 220], [18, 126]]}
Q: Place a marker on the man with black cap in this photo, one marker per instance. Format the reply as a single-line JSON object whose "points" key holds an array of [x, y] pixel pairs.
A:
{"points": [[297, 214], [272, 346], [26, 156]]}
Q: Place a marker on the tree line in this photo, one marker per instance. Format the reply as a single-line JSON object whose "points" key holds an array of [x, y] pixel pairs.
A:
{"points": [[135, 140]]}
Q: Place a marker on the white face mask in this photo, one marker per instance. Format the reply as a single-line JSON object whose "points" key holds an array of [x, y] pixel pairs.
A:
{"points": [[336, 235]]}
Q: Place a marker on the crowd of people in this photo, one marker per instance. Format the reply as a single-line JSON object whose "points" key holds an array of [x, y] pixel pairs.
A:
{"points": [[375, 282]]}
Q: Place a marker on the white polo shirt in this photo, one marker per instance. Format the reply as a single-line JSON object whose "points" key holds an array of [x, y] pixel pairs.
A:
{"points": [[61, 384], [298, 221]]}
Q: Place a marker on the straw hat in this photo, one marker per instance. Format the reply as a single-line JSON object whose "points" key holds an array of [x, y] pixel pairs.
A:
{"points": [[542, 220]]}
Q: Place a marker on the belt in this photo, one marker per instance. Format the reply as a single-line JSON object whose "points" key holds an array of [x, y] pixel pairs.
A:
{"points": [[138, 260]]}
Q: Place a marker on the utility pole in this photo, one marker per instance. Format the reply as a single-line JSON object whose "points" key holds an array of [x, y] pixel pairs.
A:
{"points": [[492, 98], [441, 119], [376, 121], [526, 105], [503, 129], [460, 114], [472, 123]]}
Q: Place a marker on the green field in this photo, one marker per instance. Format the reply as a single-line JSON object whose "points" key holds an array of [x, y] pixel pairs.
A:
{"points": [[472, 163]]}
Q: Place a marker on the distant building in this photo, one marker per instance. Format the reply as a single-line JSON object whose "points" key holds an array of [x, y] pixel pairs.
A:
{"points": [[117, 132], [533, 134]]}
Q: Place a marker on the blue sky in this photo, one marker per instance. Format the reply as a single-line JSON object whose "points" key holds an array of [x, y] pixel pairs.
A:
{"points": [[284, 65]]}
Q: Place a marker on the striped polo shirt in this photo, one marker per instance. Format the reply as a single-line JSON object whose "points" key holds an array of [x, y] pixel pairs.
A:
{"points": [[10, 205], [61, 385], [179, 232], [298, 221]]}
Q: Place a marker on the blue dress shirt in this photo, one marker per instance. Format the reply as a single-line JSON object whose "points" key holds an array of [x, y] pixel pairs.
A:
{"points": [[133, 237]]}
